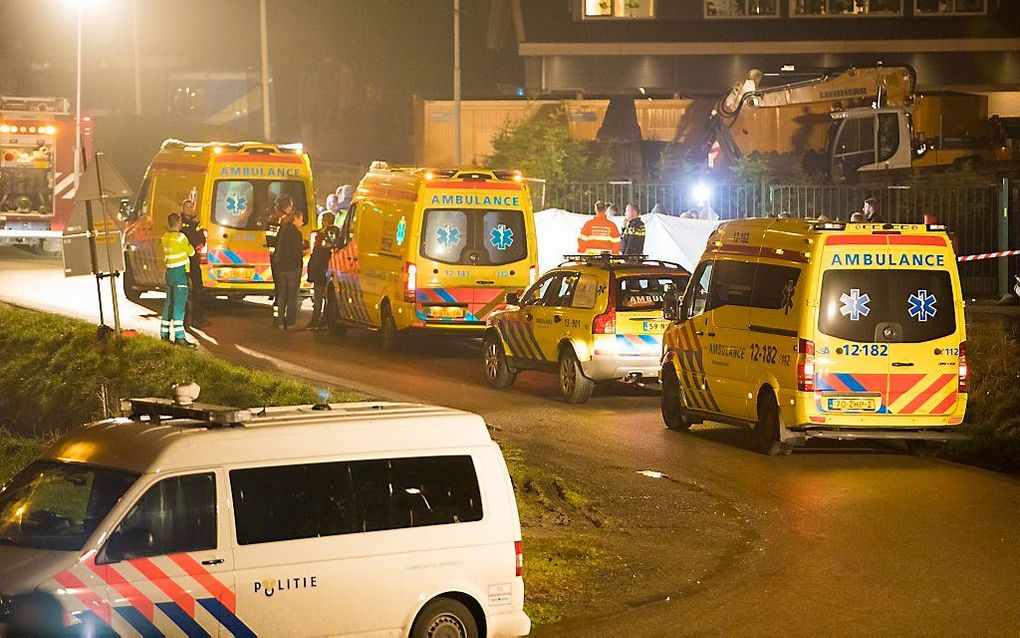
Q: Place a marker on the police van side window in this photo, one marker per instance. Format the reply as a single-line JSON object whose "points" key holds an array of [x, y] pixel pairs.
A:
{"points": [[178, 512], [349, 497], [696, 297]]}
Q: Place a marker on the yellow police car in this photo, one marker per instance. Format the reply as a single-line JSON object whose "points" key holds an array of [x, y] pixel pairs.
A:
{"points": [[593, 318], [801, 329]]}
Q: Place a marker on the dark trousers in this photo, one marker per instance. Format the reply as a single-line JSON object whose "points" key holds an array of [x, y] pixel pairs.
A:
{"points": [[196, 301], [318, 303], [288, 285]]}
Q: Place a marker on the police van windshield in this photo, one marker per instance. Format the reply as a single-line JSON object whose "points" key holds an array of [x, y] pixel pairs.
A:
{"points": [[887, 305], [644, 292], [247, 204], [51, 505], [474, 237]]}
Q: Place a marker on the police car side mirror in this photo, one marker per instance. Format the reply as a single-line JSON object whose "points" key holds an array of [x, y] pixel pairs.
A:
{"points": [[134, 542], [513, 299]]}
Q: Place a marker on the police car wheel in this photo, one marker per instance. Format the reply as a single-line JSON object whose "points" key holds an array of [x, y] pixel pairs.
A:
{"points": [[768, 427], [574, 386], [672, 402], [498, 373], [445, 618]]}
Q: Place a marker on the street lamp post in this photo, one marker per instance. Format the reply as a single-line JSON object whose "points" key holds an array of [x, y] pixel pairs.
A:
{"points": [[77, 103], [264, 41], [456, 82]]}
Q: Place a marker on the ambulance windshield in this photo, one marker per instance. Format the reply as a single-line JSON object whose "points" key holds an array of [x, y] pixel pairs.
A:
{"points": [[51, 505], [246, 204], [871, 305], [474, 237]]}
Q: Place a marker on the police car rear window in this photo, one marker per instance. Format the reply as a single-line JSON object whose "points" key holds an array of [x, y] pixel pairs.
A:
{"points": [[348, 497], [893, 305], [644, 292], [474, 237]]}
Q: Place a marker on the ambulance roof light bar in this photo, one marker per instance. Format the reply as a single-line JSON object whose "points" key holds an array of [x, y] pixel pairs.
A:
{"points": [[606, 258], [154, 410]]}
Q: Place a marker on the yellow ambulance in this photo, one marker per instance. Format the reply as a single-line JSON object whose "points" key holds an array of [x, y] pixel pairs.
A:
{"points": [[431, 250], [234, 187], [802, 329]]}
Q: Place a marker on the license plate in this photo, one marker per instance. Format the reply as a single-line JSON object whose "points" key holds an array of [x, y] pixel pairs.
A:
{"points": [[656, 326], [855, 404], [446, 312]]}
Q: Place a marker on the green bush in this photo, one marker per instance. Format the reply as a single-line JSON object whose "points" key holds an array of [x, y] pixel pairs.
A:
{"points": [[55, 374]]}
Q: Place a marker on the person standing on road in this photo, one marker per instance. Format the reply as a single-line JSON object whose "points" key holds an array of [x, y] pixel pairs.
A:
{"points": [[177, 252], [194, 317], [318, 265], [599, 234], [283, 205], [633, 232], [290, 250]]}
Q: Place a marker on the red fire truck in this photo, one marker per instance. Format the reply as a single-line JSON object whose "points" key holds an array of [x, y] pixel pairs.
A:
{"points": [[36, 170]]}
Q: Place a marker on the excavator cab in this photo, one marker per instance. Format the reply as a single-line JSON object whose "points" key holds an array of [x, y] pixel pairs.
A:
{"points": [[869, 139]]}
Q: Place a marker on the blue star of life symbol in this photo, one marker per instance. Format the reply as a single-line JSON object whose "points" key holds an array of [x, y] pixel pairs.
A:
{"points": [[448, 235], [501, 237], [236, 204], [855, 304], [401, 231], [922, 305]]}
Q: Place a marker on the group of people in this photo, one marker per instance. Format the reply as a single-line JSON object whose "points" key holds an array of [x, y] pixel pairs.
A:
{"points": [[183, 242], [600, 234]]}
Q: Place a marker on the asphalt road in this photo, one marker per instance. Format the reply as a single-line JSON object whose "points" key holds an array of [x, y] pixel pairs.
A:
{"points": [[832, 540]]}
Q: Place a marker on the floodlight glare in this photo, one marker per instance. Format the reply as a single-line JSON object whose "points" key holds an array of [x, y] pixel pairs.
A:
{"points": [[701, 192]]}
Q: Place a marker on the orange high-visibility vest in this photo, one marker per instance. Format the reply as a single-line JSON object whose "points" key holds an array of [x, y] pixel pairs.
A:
{"points": [[599, 235]]}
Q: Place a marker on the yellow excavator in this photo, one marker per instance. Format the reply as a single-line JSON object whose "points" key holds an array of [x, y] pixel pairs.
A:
{"points": [[848, 122]]}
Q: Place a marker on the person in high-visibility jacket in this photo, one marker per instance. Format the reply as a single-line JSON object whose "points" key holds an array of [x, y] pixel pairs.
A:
{"points": [[599, 234], [177, 252]]}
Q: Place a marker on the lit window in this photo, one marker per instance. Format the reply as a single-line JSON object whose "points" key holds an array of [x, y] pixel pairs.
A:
{"points": [[847, 7], [741, 8], [939, 7], [639, 9]]}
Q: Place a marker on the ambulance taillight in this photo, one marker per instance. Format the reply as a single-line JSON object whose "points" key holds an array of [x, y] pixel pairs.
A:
{"points": [[806, 366], [203, 251], [410, 282], [605, 323], [963, 368]]}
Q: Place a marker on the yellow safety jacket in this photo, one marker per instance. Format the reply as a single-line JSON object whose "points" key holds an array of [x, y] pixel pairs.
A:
{"points": [[177, 250]]}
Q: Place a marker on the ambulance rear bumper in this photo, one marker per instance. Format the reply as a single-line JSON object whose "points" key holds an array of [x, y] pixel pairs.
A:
{"points": [[603, 367], [885, 434]]}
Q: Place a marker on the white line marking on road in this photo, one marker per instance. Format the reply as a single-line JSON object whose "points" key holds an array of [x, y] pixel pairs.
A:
{"points": [[279, 363], [205, 336]]}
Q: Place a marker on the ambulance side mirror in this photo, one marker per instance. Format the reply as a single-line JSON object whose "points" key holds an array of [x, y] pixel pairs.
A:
{"points": [[671, 304], [135, 542], [513, 299]]}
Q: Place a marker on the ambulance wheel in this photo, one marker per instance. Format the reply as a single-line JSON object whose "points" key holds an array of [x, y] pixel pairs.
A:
{"points": [[331, 313], [768, 428], [672, 402], [131, 291], [498, 372], [574, 386], [445, 618], [388, 334]]}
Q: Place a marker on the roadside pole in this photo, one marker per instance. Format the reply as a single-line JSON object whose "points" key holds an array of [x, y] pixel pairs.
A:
{"points": [[267, 132], [456, 82], [1003, 237]]}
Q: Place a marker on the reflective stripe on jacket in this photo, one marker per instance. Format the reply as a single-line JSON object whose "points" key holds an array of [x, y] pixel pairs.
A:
{"points": [[599, 235], [177, 250]]}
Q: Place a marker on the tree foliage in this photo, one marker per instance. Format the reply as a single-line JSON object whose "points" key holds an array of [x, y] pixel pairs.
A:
{"points": [[542, 147]]}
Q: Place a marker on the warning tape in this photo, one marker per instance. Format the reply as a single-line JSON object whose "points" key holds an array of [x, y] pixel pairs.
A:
{"points": [[995, 255]]}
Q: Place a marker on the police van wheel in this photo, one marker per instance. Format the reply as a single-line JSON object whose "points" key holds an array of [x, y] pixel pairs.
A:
{"points": [[388, 330], [497, 370], [445, 618], [672, 402], [768, 428], [574, 386]]}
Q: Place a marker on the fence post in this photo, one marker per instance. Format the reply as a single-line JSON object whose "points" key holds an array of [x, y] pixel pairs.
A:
{"points": [[1004, 237]]}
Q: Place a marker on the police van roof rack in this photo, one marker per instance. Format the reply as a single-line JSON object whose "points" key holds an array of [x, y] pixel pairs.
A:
{"points": [[607, 259], [154, 410]]}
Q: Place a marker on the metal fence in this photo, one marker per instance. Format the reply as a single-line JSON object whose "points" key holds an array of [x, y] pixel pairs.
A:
{"points": [[981, 219]]}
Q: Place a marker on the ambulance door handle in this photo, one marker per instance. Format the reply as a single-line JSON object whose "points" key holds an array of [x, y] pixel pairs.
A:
{"points": [[528, 316], [698, 333], [557, 318], [902, 364], [212, 561], [711, 334]]}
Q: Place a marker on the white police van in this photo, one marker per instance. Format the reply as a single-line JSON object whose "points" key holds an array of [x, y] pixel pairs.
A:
{"points": [[359, 518]]}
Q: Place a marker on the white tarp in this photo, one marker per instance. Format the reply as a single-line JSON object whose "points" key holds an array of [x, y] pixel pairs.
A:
{"points": [[667, 237]]}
